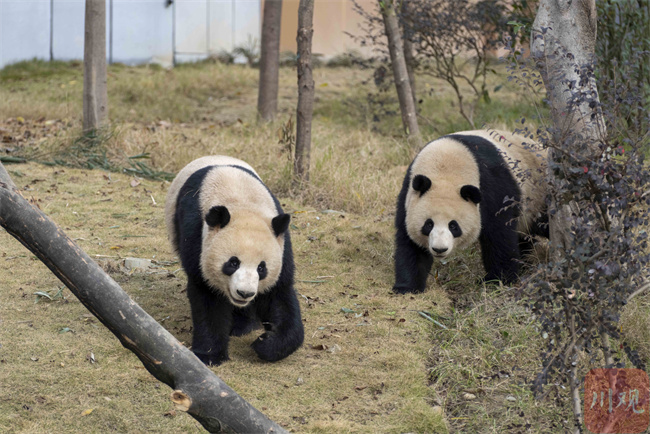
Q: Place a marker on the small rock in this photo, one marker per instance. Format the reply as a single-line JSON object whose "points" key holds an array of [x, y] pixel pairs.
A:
{"points": [[511, 398], [334, 349], [469, 396], [300, 381], [437, 409], [137, 263]]}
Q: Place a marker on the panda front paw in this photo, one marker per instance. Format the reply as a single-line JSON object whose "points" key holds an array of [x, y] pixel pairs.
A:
{"points": [[266, 346], [211, 359], [273, 346]]}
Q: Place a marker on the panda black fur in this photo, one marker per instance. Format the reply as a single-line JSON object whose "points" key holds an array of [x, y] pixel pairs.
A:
{"points": [[233, 242], [486, 185]]}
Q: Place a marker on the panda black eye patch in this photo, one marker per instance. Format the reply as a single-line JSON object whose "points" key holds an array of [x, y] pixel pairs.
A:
{"points": [[421, 183], [428, 227], [231, 265], [455, 229], [261, 270]]}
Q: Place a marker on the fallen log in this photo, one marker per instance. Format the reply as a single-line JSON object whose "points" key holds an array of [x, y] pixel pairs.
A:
{"points": [[196, 389]]}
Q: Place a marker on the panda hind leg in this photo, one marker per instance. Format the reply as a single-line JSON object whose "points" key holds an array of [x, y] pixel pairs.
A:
{"points": [[501, 256], [211, 321]]}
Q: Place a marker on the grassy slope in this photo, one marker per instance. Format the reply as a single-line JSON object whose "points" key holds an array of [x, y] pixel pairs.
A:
{"points": [[380, 371]]}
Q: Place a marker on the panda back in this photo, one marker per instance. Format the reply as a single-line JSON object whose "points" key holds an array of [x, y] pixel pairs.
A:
{"points": [[526, 161], [203, 185]]}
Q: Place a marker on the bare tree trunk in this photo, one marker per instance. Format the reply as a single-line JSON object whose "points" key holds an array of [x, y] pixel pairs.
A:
{"points": [[410, 64], [196, 389], [95, 94], [396, 48], [267, 98], [305, 91], [409, 57], [562, 43], [575, 391]]}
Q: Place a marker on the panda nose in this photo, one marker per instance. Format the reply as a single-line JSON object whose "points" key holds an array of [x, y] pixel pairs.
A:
{"points": [[245, 294], [439, 250]]}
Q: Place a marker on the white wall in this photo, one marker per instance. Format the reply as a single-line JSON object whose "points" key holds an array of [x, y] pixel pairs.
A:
{"points": [[141, 31], [24, 30], [221, 28], [68, 29]]}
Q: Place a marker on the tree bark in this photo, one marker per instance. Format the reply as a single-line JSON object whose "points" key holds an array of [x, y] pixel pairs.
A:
{"points": [[410, 65], [396, 48], [267, 98], [305, 91], [409, 56], [562, 43], [196, 389], [95, 94]]}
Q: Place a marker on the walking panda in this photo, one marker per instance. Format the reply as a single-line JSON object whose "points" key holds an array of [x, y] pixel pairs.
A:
{"points": [[233, 242], [484, 184]]}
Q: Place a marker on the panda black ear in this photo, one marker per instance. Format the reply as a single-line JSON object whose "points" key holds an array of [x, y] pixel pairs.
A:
{"points": [[280, 224], [421, 183], [217, 216], [471, 193]]}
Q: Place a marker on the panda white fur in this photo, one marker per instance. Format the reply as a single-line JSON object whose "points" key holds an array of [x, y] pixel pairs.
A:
{"points": [[484, 184], [232, 238]]}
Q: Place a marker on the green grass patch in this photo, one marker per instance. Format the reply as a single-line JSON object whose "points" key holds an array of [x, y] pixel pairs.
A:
{"points": [[36, 70]]}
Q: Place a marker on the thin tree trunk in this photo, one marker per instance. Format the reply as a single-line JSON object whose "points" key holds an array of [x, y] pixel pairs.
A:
{"points": [[95, 94], [607, 350], [409, 56], [575, 392], [305, 91], [196, 389], [267, 98], [396, 48], [410, 65]]}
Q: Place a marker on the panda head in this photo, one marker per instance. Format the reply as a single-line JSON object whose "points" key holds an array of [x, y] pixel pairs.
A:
{"points": [[442, 217], [242, 253]]}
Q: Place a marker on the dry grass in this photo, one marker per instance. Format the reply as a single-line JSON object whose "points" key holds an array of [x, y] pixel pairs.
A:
{"points": [[371, 374], [381, 368]]}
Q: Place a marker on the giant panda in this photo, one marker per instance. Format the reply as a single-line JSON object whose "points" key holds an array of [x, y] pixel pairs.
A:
{"points": [[232, 239], [484, 184]]}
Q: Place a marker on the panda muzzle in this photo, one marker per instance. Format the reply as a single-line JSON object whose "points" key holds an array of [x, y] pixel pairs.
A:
{"points": [[246, 294]]}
